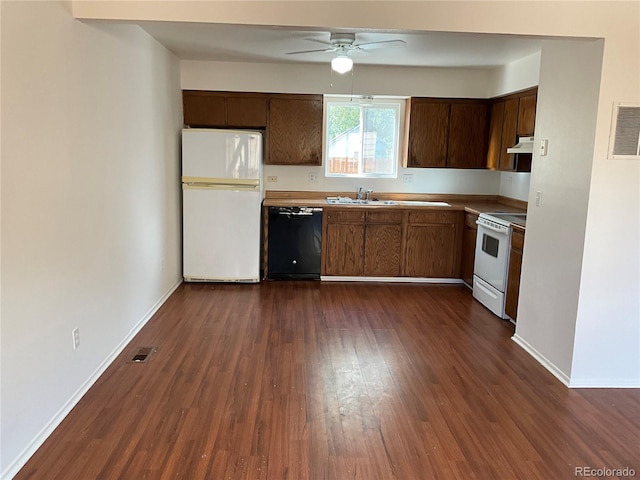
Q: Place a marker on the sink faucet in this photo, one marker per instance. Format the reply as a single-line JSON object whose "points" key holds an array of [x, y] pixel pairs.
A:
{"points": [[367, 195]]}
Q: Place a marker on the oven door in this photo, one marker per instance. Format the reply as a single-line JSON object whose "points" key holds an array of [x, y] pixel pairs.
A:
{"points": [[492, 255]]}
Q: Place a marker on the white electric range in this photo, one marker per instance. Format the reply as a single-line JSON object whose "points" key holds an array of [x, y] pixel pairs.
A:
{"points": [[492, 258]]}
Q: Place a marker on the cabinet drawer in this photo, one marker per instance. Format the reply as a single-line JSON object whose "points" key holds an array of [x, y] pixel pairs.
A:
{"points": [[470, 220], [517, 240], [432, 217], [345, 216], [384, 216]]}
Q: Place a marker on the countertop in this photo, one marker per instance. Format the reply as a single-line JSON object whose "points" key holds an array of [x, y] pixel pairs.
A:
{"points": [[475, 204]]}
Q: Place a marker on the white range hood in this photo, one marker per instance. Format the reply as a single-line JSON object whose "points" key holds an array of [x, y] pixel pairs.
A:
{"points": [[525, 145]]}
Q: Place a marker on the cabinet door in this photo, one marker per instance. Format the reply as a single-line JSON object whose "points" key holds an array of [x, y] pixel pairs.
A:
{"points": [[513, 283], [430, 250], [468, 125], [469, 236], [344, 249], [428, 133], [509, 130], [247, 110], [204, 109], [382, 250], [294, 130], [495, 135], [527, 115], [513, 279]]}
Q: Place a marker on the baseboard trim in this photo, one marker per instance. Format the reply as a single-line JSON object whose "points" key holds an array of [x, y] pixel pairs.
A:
{"points": [[336, 278], [542, 360], [604, 383], [14, 467]]}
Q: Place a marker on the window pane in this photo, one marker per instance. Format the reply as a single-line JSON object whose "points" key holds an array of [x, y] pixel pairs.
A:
{"points": [[344, 138], [362, 139], [379, 140]]}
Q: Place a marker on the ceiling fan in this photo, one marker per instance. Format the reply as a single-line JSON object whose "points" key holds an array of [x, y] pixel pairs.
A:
{"points": [[343, 44]]}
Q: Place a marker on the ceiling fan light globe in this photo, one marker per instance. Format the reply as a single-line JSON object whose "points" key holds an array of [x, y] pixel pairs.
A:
{"points": [[341, 64]]}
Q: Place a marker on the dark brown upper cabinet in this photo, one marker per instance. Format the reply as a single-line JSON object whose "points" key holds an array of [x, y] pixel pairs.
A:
{"points": [[468, 126], [447, 133], [224, 109], [512, 116], [294, 130]]}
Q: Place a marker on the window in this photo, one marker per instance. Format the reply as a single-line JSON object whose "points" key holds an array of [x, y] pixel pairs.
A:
{"points": [[362, 136]]}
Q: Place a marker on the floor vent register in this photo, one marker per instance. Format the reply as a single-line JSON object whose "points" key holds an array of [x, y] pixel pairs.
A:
{"points": [[143, 354]]}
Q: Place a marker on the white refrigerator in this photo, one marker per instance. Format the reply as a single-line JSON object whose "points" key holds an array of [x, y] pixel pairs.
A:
{"points": [[221, 202]]}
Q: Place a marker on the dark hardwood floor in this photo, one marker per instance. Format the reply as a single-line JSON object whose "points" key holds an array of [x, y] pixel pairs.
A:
{"points": [[310, 380]]}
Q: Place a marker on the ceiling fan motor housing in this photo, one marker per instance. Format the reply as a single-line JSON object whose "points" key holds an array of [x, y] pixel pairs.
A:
{"points": [[339, 39]]}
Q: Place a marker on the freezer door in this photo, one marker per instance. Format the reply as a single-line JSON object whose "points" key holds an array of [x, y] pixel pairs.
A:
{"points": [[221, 154], [221, 235]]}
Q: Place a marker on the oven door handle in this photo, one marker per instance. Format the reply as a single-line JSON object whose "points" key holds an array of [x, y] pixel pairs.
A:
{"points": [[498, 230]]}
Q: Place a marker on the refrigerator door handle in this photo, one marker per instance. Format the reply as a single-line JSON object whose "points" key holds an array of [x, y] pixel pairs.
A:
{"points": [[220, 186], [221, 181]]}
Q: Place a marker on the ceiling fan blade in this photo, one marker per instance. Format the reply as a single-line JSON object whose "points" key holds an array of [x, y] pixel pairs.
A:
{"points": [[323, 42], [311, 51], [381, 44]]}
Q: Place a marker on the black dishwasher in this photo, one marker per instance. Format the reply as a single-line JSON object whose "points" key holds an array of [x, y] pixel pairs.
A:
{"points": [[295, 235]]}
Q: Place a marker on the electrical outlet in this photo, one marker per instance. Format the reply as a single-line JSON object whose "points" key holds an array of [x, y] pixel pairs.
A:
{"points": [[76, 338], [407, 178], [313, 177], [272, 179]]}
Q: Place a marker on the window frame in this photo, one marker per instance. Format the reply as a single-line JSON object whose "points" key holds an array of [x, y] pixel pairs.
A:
{"points": [[363, 102]]}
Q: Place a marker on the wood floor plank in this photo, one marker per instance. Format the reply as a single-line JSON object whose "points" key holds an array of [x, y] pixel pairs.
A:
{"points": [[333, 381]]}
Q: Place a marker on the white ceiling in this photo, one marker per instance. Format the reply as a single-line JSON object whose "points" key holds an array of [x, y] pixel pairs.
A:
{"points": [[233, 43]]}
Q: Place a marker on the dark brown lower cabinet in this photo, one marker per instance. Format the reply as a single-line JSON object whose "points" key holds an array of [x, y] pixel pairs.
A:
{"points": [[433, 244], [392, 243], [515, 267], [358, 242], [383, 243], [343, 242], [469, 236]]}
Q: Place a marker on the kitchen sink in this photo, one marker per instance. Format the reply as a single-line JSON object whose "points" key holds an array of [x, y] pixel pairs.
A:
{"points": [[380, 202], [342, 200], [423, 203], [351, 201]]}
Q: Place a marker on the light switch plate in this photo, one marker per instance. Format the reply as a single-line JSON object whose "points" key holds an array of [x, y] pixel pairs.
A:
{"points": [[538, 198]]}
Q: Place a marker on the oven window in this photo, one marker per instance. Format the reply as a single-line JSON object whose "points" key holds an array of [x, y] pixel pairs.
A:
{"points": [[490, 245]]}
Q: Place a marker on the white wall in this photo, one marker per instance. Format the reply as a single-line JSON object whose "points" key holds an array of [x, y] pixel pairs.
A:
{"points": [[515, 76], [552, 261], [607, 341], [317, 78], [366, 80], [515, 185], [91, 115]]}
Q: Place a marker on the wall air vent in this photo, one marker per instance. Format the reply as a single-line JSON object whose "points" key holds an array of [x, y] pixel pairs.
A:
{"points": [[624, 142]]}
